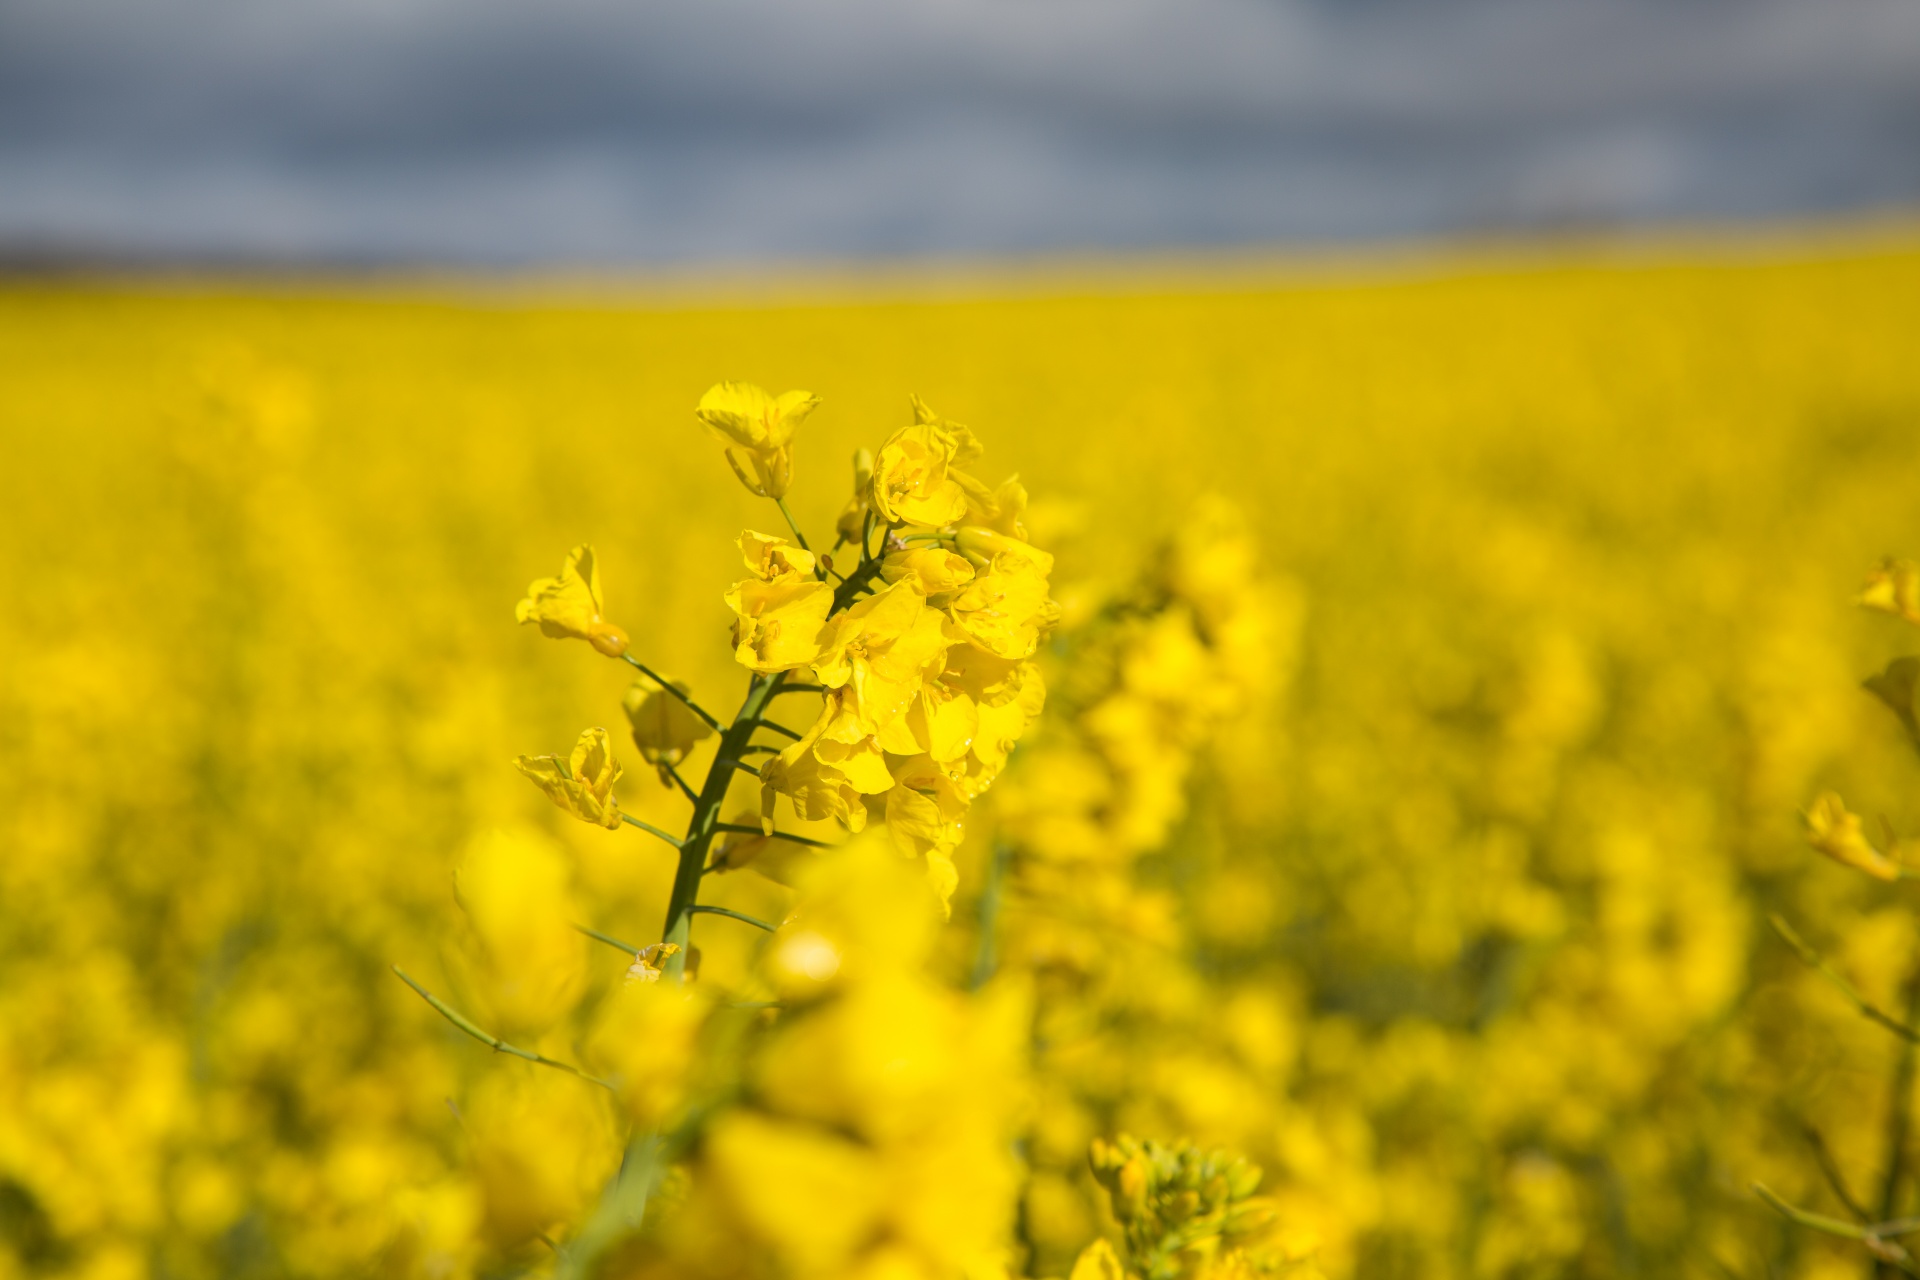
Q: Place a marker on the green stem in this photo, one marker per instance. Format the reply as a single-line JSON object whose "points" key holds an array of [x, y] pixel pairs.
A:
{"points": [[802, 688], [778, 728], [701, 908], [678, 929], [680, 782], [649, 828], [739, 828], [610, 940], [986, 956], [857, 581], [792, 524], [1900, 1109], [1814, 960], [673, 689], [487, 1038]]}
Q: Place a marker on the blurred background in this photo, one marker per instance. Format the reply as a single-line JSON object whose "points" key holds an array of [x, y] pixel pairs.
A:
{"points": [[593, 133]]}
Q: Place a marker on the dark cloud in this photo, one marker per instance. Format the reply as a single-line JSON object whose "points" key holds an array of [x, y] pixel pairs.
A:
{"points": [[592, 131]]}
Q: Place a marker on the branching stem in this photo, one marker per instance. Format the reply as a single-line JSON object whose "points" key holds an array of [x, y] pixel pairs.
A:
{"points": [[673, 689], [701, 908], [487, 1038], [649, 828]]}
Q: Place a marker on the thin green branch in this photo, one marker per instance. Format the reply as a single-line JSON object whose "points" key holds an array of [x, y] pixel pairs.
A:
{"points": [[986, 955], [701, 908], [487, 1038], [610, 940], [1830, 1170], [1814, 960], [680, 782], [778, 728], [800, 688], [649, 828], [740, 828], [759, 748], [792, 524], [730, 763], [1872, 1236], [673, 689]]}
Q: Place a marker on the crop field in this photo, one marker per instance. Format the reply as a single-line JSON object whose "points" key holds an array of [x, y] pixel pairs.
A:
{"points": [[1441, 896]]}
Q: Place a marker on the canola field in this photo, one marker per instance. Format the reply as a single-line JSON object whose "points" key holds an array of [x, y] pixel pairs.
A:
{"points": [[1442, 659]]}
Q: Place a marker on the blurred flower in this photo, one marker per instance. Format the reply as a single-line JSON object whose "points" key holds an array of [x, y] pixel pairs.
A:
{"points": [[569, 606], [664, 727]]}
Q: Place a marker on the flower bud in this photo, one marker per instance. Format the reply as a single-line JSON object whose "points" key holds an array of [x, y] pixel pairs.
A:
{"points": [[607, 638]]}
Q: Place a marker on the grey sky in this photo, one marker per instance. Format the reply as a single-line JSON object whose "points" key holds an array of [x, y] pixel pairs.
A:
{"points": [[582, 131]]}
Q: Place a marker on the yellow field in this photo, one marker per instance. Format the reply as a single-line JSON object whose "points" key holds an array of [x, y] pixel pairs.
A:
{"points": [[1478, 918]]}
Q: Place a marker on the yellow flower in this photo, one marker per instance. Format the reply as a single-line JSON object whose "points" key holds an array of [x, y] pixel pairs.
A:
{"points": [[879, 652], [937, 570], [583, 783], [542, 1146], [1098, 1261], [664, 727], [1836, 833], [1893, 588], [1003, 509], [777, 625], [569, 606], [817, 789], [645, 1042], [914, 476], [758, 431], [514, 887], [807, 1194], [1005, 608], [772, 559], [853, 517], [926, 813]]}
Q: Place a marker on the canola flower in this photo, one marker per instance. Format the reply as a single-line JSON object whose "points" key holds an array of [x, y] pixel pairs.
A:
{"points": [[869, 1128]]}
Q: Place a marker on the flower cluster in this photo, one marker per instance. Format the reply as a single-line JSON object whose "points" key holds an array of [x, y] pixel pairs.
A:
{"points": [[924, 651]]}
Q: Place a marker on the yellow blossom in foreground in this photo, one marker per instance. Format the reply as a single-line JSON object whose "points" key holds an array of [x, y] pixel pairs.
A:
{"points": [[644, 1043], [542, 1145], [515, 887], [582, 784], [757, 429], [937, 570], [1837, 833], [569, 606], [664, 727]]}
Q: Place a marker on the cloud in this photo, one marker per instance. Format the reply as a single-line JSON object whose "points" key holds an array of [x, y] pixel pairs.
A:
{"points": [[590, 131]]}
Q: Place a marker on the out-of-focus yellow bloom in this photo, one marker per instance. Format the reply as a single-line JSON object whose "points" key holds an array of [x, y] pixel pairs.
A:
{"points": [[582, 784], [852, 521], [757, 429], [569, 606], [645, 1041], [664, 727], [1893, 588], [915, 474], [542, 1145], [862, 911], [1837, 833], [1098, 1261], [515, 888]]}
